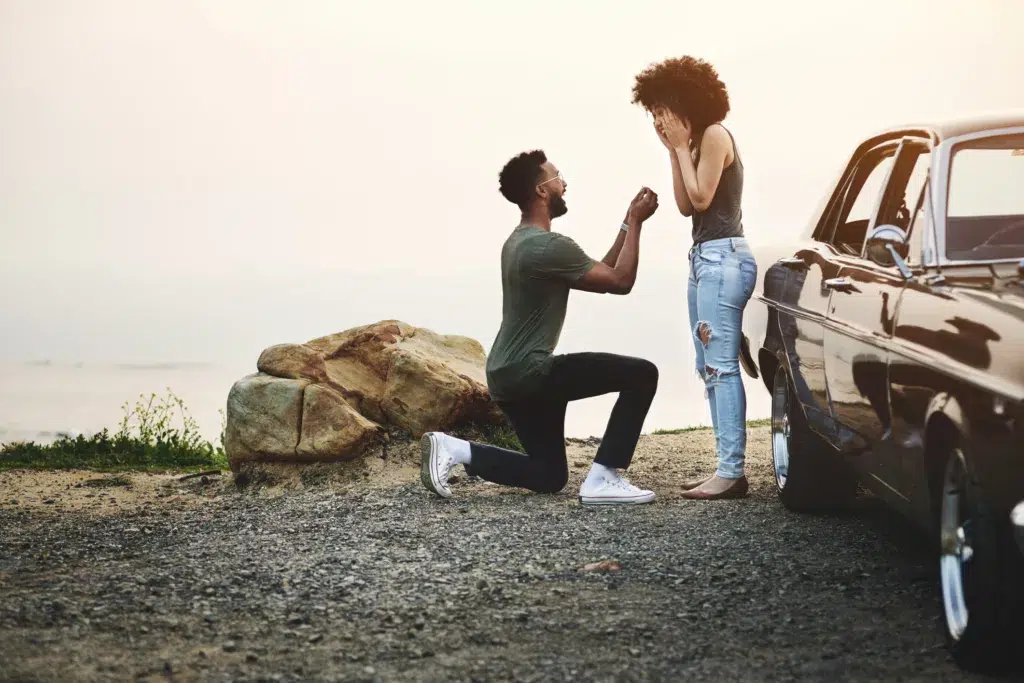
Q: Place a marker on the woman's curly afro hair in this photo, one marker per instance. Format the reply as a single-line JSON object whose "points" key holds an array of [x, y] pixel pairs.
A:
{"points": [[688, 87]]}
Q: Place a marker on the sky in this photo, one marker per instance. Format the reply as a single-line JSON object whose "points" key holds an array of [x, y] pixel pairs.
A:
{"points": [[194, 181]]}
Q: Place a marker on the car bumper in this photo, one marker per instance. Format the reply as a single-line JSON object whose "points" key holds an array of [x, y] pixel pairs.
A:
{"points": [[1017, 517]]}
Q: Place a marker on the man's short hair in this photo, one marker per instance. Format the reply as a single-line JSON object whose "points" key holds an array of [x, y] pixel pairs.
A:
{"points": [[520, 177]]}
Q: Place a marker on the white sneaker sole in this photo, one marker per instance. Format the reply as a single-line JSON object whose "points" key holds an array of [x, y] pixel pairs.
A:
{"points": [[428, 467], [609, 500]]}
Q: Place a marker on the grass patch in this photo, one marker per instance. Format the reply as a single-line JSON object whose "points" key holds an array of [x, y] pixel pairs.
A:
{"points": [[764, 422], [501, 436], [157, 434]]}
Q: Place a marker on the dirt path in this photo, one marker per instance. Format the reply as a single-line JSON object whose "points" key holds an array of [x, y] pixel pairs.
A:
{"points": [[191, 580]]}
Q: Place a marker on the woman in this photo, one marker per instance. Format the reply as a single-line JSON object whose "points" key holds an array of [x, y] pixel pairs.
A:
{"points": [[688, 103]]}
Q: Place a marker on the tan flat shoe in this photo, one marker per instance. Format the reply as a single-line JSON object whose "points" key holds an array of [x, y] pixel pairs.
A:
{"points": [[694, 483], [737, 490]]}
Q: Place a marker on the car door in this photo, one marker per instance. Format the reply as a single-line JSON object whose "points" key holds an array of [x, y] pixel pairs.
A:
{"points": [[862, 308], [803, 305], [812, 272]]}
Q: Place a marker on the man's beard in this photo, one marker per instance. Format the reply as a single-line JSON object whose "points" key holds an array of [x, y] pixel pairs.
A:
{"points": [[557, 207]]}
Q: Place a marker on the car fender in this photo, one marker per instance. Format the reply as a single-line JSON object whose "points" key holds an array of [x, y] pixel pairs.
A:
{"points": [[756, 316], [949, 407]]}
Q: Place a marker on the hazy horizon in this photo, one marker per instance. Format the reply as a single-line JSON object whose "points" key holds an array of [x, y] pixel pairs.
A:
{"points": [[196, 181]]}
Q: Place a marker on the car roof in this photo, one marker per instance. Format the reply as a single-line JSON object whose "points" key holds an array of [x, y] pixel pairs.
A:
{"points": [[964, 125]]}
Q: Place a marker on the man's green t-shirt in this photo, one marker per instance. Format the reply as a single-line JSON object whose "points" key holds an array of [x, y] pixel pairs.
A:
{"points": [[536, 269]]}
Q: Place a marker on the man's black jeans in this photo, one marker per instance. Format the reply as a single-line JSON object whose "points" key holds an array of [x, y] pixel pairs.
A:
{"points": [[539, 420]]}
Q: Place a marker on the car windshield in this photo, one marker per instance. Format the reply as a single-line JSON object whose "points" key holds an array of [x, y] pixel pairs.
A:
{"points": [[985, 207]]}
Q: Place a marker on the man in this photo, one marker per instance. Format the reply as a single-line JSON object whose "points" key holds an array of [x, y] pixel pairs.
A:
{"points": [[530, 384]]}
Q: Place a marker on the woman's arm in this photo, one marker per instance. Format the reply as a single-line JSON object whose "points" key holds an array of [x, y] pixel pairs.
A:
{"points": [[678, 184], [678, 188], [701, 181]]}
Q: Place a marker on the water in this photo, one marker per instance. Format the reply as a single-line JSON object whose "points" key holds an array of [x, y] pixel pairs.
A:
{"points": [[40, 400]]}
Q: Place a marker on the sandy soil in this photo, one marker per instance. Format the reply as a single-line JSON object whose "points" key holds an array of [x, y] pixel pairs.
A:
{"points": [[661, 462], [359, 574]]}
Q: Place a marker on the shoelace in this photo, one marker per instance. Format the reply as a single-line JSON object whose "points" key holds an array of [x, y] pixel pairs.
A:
{"points": [[622, 483], [445, 462]]}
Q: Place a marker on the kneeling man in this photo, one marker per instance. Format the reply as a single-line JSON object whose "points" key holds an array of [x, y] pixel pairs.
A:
{"points": [[531, 384]]}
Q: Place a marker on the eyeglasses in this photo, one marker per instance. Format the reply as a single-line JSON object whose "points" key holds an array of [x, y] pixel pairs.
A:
{"points": [[558, 177]]}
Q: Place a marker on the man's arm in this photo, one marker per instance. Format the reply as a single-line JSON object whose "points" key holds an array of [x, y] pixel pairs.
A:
{"points": [[620, 277], [613, 254]]}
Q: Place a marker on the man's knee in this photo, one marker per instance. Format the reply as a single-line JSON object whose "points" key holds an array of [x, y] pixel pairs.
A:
{"points": [[552, 480], [647, 373]]}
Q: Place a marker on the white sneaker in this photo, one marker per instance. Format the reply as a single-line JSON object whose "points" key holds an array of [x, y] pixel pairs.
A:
{"points": [[615, 491], [436, 463]]}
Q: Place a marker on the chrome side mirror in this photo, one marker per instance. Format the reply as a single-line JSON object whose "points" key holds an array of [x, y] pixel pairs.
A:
{"points": [[887, 245]]}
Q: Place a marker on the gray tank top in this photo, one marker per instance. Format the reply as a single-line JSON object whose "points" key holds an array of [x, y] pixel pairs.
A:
{"points": [[724, 217]]}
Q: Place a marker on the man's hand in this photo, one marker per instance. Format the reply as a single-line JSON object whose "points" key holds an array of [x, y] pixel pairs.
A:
{"points": [[617, 272], [643, 206]]}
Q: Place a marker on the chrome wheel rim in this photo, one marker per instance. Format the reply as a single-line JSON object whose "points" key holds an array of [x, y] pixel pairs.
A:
{"points": [[780, 429], [957, 551]]}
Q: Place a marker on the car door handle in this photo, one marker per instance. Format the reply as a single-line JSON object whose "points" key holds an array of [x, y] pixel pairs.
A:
{"points": [[842, 284], [792, 262]]}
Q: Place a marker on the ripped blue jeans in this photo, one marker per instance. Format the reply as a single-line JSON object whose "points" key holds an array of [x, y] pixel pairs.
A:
{"points": [[723, 274]]}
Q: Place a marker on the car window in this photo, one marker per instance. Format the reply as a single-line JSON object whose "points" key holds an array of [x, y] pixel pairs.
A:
{"points": [[866, 199], [848, 220], [917, 228], [904, 190], [985, 205], [912, 190]]}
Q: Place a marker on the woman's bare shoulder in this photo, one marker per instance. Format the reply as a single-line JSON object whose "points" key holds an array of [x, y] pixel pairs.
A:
{"points": [[716, 137]]}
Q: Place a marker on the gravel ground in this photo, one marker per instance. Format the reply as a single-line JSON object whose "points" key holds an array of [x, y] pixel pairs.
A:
{"points": [[196, 581]]}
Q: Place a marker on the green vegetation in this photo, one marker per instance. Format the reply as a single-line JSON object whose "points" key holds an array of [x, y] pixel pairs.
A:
{"points": [[501, 436], [156, 434], [764, 422]]}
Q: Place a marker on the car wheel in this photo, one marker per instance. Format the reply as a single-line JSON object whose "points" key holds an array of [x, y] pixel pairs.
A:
{"points": [[980, 575], [808, 474]]}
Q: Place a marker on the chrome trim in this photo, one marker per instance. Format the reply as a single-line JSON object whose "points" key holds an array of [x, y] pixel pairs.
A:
{"points": [[1017, 518], [901, 265], [956, 549], [990, 262], [837, 282], [884, 483], [781, 431]]}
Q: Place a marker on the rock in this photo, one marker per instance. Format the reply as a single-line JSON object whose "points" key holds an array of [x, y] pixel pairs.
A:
{"points": [[293, 361], [334, 398], [331, 428], [263, 417], [606, 566]]}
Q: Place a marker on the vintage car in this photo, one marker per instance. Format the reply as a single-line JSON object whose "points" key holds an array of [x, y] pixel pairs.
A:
{"points": [[890, 335]]}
